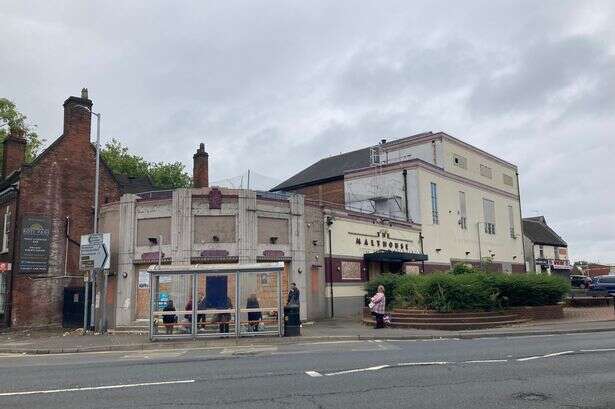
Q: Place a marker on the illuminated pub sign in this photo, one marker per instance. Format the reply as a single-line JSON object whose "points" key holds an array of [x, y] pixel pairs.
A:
{"points": [[382, 240]]}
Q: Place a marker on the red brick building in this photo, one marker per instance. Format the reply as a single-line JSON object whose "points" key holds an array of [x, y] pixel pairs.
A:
{"points": [[45, 207]]}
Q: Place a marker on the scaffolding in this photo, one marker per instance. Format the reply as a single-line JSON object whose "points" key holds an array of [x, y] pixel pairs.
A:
{"points": [[381, 195]]}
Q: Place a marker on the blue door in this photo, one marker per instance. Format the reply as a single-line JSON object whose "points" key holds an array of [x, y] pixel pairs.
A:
{"points": [[216, 288]]}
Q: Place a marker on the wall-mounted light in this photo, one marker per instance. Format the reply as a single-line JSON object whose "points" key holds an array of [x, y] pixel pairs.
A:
{"points": [[273, 240], [299, 270], [315, 242], [438, 250], [514, 257], [467, 253], [215, 239], [338, 269], [125, 274], [153, 241]]}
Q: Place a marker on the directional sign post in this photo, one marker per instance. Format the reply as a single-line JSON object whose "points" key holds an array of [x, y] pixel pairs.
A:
{"points": [[95, 251], [94, 255]]}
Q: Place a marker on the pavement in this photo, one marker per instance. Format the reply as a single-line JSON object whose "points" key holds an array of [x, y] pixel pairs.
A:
{"points": [[576, 320], [536, 371]]}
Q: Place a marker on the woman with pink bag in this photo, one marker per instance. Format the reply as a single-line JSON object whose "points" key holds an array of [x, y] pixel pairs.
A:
{"points": [[377, 304]]}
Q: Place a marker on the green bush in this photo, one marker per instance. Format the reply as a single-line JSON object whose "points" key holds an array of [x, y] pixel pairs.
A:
{"points": [[446, 292], [409, 291], [470, 290], [530, 289]]}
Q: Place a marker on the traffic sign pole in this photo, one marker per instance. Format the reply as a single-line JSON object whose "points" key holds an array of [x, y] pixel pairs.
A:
{"points": [[85, 304]]}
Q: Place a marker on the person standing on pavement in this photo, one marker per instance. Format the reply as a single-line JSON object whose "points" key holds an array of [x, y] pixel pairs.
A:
{"points": [[377, 305], [293, 294]]}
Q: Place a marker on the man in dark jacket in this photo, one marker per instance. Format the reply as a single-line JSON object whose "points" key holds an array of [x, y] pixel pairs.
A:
{"points": [[293, 294]]}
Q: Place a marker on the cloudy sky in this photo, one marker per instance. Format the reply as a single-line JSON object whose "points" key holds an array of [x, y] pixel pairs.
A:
{"points": [[274, 86]]}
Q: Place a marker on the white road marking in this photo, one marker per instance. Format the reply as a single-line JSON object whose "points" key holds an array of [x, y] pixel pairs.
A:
{"points": [[424, 363], [96, 388], [372, 368], [485, 361], [558, 354], [313, 374], [529, 358], [598, 350]]}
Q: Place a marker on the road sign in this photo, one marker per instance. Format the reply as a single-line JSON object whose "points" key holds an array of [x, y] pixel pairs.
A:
{"points": [[95, 251]]}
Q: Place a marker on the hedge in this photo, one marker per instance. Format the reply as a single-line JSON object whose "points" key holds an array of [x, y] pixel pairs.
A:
{"points": [[470, 290]]}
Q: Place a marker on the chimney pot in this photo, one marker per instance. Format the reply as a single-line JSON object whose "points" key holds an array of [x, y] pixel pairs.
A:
{"points": [[200, 170]]}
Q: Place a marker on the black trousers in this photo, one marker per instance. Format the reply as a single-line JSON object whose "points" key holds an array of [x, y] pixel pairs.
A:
{"points": [[379, 320]]}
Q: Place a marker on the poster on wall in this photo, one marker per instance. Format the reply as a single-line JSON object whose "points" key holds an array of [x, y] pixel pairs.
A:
{"points": [[143, 279], [34, 244]]}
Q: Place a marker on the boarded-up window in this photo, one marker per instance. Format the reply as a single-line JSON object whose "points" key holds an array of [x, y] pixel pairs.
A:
{"points": [[463, 220], [460, 161], [486, 171], [152, 228], [511, 222], [489, 214], [351, 270], [272, 230], [214, 229], [508, 180]]}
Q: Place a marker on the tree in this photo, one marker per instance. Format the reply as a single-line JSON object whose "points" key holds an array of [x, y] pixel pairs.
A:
{"points": [[11, 120], [169, 175], [163, 175]]}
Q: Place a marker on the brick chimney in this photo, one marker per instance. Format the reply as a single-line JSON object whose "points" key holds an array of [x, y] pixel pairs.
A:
{"points": [[14, 153], [77, 119], [200, 170]]}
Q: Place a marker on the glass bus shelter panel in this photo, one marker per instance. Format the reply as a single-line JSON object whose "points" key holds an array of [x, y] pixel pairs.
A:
{"points": [[259, 303], [216, 295], [171, 304]]}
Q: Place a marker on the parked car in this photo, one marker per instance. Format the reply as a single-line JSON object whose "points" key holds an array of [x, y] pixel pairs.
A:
{"points": [[580, 281], [603, 283]]}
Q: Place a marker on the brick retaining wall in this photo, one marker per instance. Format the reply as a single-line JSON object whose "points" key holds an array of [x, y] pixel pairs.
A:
{"points": [[544, 312]]}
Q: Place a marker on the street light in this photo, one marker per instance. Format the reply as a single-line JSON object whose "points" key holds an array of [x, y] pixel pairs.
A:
{"points": [[96, 188], [97, 179]]}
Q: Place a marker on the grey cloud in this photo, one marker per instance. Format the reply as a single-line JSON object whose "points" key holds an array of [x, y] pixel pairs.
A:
{"points": [[274, 87]]}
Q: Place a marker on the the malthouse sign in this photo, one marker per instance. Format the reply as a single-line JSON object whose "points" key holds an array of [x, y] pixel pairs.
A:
{"points": [[34, 244], [382, 240]]}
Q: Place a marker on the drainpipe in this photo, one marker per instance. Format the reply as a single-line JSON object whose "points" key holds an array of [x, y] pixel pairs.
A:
{"points": [[9, 310], [405, 174], [521, 220], [421, 237]]}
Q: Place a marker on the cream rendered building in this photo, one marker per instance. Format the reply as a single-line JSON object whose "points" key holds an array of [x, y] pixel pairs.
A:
{"points": [[465, 200]]}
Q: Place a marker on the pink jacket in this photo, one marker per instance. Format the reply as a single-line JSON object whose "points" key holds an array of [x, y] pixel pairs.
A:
{"points": [[379, 301]]}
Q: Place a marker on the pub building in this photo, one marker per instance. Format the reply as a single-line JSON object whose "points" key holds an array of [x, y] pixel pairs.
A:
{"points": [[356, 248]]}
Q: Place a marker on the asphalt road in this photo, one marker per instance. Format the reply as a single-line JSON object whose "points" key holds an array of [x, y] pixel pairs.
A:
{"points": [[563, 371]]}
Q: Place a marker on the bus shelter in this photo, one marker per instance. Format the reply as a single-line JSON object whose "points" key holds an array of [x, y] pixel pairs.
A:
{"points": [[216, 300]]}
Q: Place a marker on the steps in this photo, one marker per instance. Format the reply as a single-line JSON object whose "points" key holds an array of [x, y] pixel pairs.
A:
{"points": [[454, 321]]}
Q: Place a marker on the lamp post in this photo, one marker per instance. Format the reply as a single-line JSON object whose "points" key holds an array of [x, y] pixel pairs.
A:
{"points": [[96, 188], [329, 221], [97, 177]]}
